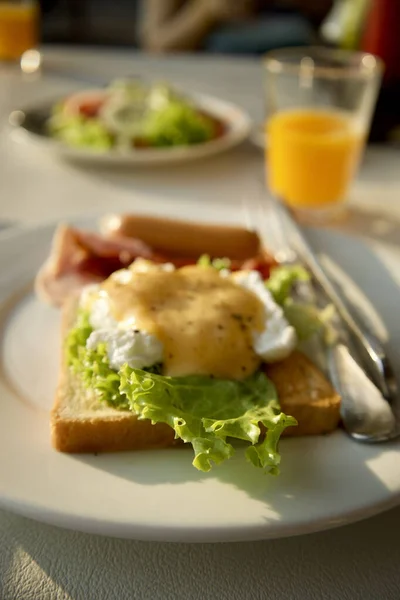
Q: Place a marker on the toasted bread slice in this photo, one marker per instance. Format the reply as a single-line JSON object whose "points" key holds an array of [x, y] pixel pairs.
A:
{"points": [[305, 393], [80, 423]]}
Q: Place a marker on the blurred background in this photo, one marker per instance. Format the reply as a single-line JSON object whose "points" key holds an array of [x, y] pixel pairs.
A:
{"points": [[242, 27], [231, 26]]}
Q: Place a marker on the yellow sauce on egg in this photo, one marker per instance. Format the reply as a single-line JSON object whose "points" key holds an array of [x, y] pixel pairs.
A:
{"points": [[206, 322]]}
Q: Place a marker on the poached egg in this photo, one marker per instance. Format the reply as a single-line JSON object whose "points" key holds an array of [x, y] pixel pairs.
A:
{"points": [[269, 338]]}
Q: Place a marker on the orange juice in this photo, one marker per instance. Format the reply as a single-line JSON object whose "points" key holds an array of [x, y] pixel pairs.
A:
{"points": [[312, 156], [18, 28]]}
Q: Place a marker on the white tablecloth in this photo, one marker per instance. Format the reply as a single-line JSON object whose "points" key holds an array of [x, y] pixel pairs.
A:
{"points": [[42, 562]]}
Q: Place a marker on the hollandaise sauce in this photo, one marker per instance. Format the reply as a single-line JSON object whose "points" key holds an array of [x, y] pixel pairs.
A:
{"points": [[206, 322]]}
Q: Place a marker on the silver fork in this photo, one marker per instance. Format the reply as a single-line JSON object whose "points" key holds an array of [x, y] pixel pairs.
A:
{"points": [[370, 410], [376, 359]]}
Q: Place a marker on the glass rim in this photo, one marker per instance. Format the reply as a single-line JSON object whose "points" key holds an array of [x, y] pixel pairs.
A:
{"points": [[367, 65]]}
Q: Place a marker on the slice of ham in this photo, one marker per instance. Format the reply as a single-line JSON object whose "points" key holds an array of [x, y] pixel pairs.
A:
{"points": [[78, 258]]}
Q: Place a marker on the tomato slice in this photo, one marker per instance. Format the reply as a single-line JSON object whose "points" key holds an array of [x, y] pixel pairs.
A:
{"points": [[262, 263], [86, 104]]}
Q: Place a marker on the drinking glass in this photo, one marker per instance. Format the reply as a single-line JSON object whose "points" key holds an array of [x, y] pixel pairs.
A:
{"points": [[19, 27], [319, 104]]}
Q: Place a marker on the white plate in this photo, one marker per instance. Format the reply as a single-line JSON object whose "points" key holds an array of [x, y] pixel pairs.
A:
{"points": [[237, 121], [157, 495]]}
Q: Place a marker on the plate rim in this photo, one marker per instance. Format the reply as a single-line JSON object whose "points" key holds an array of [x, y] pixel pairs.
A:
{"points": [[193, 535]]}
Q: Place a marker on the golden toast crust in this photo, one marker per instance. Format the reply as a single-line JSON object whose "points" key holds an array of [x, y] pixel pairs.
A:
{"points": [[306, 394]]}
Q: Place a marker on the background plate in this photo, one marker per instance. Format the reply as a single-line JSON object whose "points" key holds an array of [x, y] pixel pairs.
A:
{"points": [[238, 123]]}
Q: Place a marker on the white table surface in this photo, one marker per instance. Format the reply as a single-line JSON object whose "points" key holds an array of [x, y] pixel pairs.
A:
{"points": [[42, 562]]}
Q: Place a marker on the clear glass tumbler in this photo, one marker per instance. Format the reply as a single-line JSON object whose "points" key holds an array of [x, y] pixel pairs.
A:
{"points": [[319, 104]]}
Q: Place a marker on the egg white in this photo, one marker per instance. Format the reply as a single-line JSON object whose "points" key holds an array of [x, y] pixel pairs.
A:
{"points": [[278, 339], [126, 344]]}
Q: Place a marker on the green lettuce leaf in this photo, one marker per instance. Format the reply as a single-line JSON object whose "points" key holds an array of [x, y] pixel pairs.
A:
{"points": [[92, 366], [203, 411], [76, 339], [206, 412], [282, 279], [176, 124], [216, 263], [308, 320], [305, 318], [80, 132]]}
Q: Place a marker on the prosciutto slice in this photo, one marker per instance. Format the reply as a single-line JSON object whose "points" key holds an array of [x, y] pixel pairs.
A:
{"points": [[79, 257]]}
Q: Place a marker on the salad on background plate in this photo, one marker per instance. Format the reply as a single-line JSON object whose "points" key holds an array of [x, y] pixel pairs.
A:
{"points": [[134, 120], [131, 113]]}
